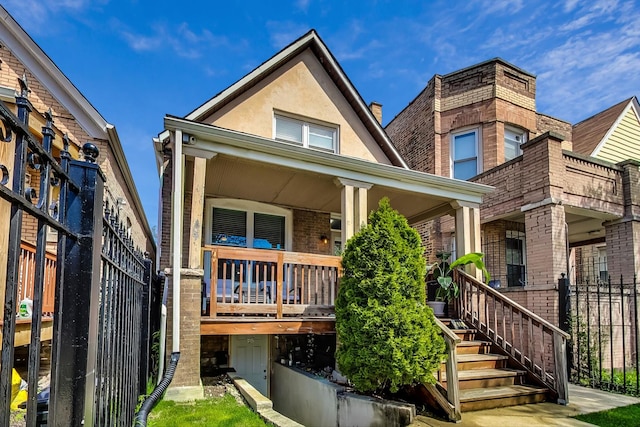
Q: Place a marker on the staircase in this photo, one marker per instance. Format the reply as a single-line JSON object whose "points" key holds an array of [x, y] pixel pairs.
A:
{"points": [[487, 378]]}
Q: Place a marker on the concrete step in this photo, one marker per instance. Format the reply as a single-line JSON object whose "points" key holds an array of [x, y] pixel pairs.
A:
{"points": [[497, 397]]}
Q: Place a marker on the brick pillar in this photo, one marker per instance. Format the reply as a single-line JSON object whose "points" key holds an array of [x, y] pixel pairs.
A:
{"points": [[186, 384], [546, 245], [623, 235], [546, 240]]}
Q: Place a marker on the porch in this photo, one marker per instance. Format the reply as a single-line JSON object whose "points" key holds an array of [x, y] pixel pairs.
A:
{"points": [[249, 222], [26, 280], [261, 291]]}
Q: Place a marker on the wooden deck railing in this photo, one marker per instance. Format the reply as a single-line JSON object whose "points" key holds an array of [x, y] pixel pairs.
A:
{"points": [[451, 402], [535, 344], [26, 277], [241, 281]]}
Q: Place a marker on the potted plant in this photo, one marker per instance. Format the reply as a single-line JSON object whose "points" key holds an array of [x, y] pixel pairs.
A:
{"points": [[442, 273]]}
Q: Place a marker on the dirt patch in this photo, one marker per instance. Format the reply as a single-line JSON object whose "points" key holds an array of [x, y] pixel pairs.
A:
{"points": [[218, 386]]}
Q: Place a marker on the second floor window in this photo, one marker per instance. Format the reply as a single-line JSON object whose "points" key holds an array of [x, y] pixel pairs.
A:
{"points": [[513, 138], [464, 152], [305, 133]]}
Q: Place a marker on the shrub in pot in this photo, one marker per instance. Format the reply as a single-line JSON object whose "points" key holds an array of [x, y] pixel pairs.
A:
{"points": [[442, 273]]}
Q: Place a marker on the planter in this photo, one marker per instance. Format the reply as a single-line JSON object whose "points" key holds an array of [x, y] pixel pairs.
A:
{"points": [[437, 307]]}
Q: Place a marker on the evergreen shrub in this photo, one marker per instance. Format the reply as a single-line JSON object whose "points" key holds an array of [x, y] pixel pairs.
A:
{"points": [[387, 336]]}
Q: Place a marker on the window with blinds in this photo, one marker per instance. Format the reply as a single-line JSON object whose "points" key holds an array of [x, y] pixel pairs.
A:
{"points": [[229, 227], [233, 227], [268, 231], [306, 134]]}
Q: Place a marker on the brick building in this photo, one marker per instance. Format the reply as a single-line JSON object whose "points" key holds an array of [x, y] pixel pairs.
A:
{"points": [[73, 116], [563, 192]]}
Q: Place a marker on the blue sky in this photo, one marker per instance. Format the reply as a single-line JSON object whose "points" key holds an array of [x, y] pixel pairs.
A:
{"points": [[137, 60]]}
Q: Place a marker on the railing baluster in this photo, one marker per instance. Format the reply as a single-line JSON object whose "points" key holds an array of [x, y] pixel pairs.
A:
{"points": [[495, 318], [504, 327]]}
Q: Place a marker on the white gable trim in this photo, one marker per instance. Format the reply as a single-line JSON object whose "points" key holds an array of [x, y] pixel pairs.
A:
{"points": [[282, 57], [633, 104]]}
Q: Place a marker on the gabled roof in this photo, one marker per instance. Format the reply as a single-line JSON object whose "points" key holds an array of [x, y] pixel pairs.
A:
{"points": [[65, 92], [590, 133], [310, 40]]}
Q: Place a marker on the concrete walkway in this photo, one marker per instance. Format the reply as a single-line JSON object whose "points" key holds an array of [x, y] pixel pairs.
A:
{"points": [[581, 401]]}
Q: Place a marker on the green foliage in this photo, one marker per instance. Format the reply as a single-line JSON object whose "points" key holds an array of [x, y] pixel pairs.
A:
{"points": [[224, 411], [626, 416], [443, 273], [387, 335]]}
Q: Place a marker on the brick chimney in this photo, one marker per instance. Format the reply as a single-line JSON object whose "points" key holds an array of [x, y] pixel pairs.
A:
{"points": [[376, 109]]}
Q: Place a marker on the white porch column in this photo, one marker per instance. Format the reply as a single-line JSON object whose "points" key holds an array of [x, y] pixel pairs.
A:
{"points": [[197, 211], [467, 218], [361, 213], [354, 206], [347, 214]]}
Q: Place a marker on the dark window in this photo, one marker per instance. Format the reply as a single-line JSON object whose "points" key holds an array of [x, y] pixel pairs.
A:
{"points": [[229, 227], [268, 231]]}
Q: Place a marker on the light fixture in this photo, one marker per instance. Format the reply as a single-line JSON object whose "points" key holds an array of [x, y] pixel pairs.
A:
{"points": [[324, 239]]}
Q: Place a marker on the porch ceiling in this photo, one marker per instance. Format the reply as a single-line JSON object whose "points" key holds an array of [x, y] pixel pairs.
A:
{"points": [[255, 168], [584, 225], [240, 178]]}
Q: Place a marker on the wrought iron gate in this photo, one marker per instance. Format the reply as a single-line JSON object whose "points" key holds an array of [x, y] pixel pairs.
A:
{"points": [[603, 318], [102, 326]]}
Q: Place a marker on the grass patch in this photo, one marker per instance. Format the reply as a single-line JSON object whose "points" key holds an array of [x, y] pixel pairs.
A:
{"points": [[626, 416], [222, 411]]}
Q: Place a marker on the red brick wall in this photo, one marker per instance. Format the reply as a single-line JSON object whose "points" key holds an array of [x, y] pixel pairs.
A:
{"points": [[64, 122], [308, 226], [413, 131]]}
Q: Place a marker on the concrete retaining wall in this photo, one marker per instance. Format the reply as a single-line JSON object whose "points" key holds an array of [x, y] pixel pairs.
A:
{"points": [[315, 401]]}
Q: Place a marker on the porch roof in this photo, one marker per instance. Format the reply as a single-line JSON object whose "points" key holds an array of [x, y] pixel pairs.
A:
{"points": [[415, 194]]}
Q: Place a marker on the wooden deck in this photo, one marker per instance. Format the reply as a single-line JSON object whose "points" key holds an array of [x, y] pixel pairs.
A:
{"points": [[23, 331], [248, 291], [267, 326]]}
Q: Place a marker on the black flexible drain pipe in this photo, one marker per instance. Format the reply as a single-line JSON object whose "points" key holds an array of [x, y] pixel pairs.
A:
{"points": [[156, 394]]}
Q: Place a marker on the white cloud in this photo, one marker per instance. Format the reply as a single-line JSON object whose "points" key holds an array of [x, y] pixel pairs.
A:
{"points": [[597, 11], [182, 40], [303, 5], [32, 14], [569, 5], [282, 33]]}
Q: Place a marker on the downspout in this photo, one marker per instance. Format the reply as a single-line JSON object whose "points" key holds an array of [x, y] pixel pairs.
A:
{"points": [[176, 245]]}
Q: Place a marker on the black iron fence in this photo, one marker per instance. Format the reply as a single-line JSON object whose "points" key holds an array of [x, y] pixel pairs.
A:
{"points": [[105, 296], [124, 338], [602, 317]]}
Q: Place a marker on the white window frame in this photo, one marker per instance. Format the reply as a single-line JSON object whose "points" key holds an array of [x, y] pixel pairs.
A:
{"points": [[250, 207], [523, 134], [478, 135], [306, 124]]}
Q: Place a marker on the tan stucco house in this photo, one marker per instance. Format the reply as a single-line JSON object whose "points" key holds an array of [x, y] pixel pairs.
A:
{"points": [[261, 186]]}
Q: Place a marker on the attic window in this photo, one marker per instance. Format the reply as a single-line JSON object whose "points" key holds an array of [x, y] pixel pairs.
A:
{"points": [[305, 133]]}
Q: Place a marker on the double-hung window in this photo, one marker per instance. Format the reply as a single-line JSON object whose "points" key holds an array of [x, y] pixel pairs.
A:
{"points": [[306, 133], [464, 154], [516, 255], [513, 138]]}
